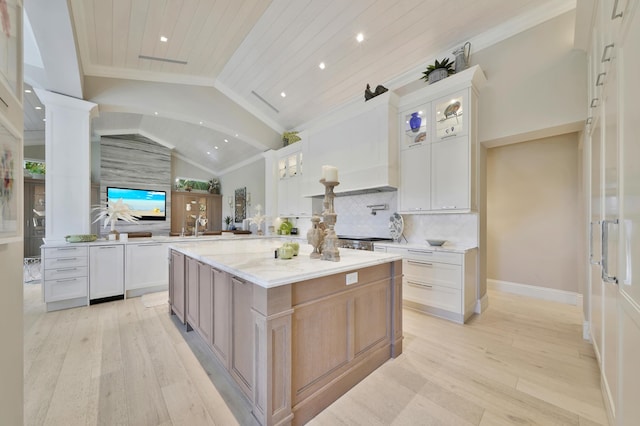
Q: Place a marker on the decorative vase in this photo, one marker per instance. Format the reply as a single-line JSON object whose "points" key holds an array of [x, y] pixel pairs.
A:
{"points": [[414, 122]]}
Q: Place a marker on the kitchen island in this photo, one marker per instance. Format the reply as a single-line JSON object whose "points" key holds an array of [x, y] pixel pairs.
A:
{"points": [[293, 334]]}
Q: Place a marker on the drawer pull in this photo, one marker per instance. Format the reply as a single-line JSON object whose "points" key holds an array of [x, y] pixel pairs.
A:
{"points": [[606, 58], [447, 207], [416, 284], [107, 247], [614, 12], [600, 79], [149, 245], [594, 102], [420, 251], [415, 262], [66, 269], [67, 259], [66, 280], [66, 248]]}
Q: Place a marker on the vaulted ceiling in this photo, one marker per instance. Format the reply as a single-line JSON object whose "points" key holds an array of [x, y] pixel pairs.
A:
{"points": [[248, 53]]}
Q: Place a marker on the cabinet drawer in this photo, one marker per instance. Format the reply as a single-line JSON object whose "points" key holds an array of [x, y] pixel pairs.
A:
{"points": [[65, 288], [64, 262], [442, 274], [72, 251], [433, 256], [66, 272], [432, 295]]}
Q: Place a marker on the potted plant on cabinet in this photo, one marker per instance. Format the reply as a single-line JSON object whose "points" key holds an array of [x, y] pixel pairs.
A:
{"points": [[114, 211], [290, 137], [214, 186], [438, 70], [227, 222]]}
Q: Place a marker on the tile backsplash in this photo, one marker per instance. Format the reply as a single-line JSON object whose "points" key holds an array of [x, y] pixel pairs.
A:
{"points": [[355, 218]]}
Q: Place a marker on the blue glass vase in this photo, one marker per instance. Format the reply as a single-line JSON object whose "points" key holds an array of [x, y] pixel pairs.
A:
{"points": [[414, 122]]}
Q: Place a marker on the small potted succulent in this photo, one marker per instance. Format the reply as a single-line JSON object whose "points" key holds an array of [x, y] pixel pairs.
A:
{"points": [[438, 70]]}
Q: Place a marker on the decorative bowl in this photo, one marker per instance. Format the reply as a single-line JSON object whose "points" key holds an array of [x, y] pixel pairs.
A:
{"points": [[81, 238], [436, 243]]}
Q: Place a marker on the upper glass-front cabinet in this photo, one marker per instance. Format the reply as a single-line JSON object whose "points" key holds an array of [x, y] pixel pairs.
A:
{"points": [[450, 118], [416, 130]]}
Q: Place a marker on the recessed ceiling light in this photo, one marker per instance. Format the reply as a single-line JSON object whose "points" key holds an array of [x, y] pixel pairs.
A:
{"points": [[27, 90], [322, 65], [38, 107], [209, 153], [284, 95], [201, 123], [236, 135], [226, 140], [163, 39], [155, 113], [360, 37], [215, 147]]}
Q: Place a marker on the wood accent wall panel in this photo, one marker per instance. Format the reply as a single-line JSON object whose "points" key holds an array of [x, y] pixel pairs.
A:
{"points": [[136, 163], [242, 351], [205, 303], [221, 315], [372, 323]]}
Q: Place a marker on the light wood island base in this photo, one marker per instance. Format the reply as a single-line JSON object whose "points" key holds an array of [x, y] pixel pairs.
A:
{"points": [[296, 348]]}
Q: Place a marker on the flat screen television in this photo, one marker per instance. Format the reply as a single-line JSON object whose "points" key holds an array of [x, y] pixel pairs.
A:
{"points": [[144, 203]]}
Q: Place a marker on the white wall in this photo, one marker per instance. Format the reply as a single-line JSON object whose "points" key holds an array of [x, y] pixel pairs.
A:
{"points": [[535, 81], [250, 176], [184, 169], [533, 213]]}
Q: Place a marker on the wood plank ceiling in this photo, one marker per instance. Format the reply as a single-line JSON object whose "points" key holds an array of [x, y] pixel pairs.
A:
{"points": [[256, 49]]}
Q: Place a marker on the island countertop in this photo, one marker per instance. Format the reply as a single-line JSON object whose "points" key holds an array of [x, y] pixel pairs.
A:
{"points": [[254, 260]]}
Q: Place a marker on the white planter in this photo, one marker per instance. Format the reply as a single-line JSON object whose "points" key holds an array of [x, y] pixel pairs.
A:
{"points": [[437, 75]]}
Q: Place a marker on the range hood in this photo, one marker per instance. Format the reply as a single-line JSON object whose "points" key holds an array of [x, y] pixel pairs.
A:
{"points": [[359, 139]]}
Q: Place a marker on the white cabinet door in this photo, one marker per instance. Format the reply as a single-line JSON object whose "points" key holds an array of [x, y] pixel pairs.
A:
{"points": [[450, 114], [628, 412], [414, 193], [106, 271], [147, 265], [450, 170]]}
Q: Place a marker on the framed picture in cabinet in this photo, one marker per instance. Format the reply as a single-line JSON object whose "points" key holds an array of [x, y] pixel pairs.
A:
{"points": [[10, 182]]}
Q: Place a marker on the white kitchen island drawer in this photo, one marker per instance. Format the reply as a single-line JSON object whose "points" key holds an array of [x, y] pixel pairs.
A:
{"points": [[71, 251], [441, 274], [445, 298], [66, 288], [67, 272], [64, 262], [427, 255]]}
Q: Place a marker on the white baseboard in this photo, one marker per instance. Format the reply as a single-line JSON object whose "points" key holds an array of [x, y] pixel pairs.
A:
{"points": [[544, 293], [482, 304]]}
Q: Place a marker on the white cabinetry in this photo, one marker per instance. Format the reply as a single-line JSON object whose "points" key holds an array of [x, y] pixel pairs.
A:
{"points": [[106, 267], [146, 267], [438, 282], [65, 271], [614, 58], [291, 202], [439, 165]]}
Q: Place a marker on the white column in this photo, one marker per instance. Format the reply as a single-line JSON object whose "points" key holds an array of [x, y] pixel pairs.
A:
{"points": [[68, 159]]}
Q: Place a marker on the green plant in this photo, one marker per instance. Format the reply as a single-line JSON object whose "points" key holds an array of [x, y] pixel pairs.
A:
{"points": [[290, 137], [227, 220], [35, 167], [444, 64]]}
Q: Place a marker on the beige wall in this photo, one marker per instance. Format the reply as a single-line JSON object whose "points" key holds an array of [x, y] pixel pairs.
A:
{"points": [[34, 152], [533, 213]]}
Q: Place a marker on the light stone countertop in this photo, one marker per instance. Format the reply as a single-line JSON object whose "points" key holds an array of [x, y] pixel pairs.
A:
{"points": [[254, 261], [447, 247], [155, 239]]}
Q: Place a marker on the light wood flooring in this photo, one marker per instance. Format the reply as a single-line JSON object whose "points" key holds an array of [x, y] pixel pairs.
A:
{"points": [[522, 362]]}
